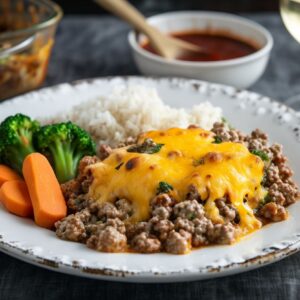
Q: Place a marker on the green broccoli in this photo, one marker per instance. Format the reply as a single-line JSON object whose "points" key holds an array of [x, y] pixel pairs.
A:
{"points": [[64, 145], [16, 140]]}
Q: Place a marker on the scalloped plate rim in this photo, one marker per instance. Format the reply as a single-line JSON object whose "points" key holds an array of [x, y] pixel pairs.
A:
{"points": [[271, 254]]}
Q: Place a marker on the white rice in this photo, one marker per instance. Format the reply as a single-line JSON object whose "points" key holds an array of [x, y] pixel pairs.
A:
{"points": [[129, 110]]}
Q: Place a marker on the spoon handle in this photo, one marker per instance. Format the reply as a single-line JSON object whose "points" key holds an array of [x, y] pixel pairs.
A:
{"points": [[126, 11]]}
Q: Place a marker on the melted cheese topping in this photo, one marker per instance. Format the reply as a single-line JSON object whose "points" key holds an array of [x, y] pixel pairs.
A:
{"points": [[188, 156]]}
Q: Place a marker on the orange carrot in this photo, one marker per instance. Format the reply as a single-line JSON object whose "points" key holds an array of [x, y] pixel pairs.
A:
{"points": [[47, 199], [7, 174], [15, 197]]}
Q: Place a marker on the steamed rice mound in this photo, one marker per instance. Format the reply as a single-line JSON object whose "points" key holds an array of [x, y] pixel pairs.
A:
{"points": [[129, 110]]}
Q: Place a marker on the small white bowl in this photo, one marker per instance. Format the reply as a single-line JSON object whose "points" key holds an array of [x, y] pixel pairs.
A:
{"points": [[239, 72]]}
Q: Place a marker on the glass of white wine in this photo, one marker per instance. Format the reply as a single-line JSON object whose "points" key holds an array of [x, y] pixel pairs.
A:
{"points": [[290, 13]]}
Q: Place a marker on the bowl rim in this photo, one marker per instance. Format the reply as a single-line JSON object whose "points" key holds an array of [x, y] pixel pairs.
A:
{"points": [[58, 14], [220, 15]]}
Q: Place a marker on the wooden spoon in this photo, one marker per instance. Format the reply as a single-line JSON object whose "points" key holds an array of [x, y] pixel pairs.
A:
{"points": [[166, 46]]}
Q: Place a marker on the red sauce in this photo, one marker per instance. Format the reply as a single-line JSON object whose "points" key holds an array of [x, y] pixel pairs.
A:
{"points": [[217, 46]]}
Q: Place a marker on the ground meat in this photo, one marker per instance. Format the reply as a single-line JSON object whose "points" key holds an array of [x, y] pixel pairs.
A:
{"points": [[226, 134], [273, 212], [85, 177], [284, 172], [277, 155], [271, 175], [104, 151], [161, 228], [161, 212], [104, 210], [135, 229], [119, 225], [129, 141], [226, 210], [145, 243], [108, 240], [125, 208], [173, 226], [189, 209], [283, 193], [85, 162], [221, 233], [192, 193], [70, 188], [257, 140], [77, 203], [201, 227], [185, 224], [178, 242], [162, 200], [72, 228]]}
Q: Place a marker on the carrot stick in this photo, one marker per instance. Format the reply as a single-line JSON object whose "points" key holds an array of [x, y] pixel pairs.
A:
{"points": [[15, 197], [7, 174], [47, 199]]}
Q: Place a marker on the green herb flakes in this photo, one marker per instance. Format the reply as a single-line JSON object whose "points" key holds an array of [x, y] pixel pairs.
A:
{"points": [[263, 155], [164, 187]]}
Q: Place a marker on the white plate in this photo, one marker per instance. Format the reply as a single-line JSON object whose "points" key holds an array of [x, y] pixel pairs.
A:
{"points": [[22, 239]]}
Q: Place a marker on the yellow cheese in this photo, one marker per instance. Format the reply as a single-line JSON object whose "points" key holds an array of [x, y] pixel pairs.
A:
{"points": [[188, 156]]}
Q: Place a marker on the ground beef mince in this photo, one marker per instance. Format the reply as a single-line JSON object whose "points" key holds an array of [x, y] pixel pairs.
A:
{"points": [[257, 140], [192, 193], [221, 233], [107, 210], [108, 240], [226, 134], [77, 203], [125, 208], [161, 228], [173, 226], [178, 242], [145, 243], [104, 151], [71, 189], [72, 227], [161, 212], [200, 233], [164, 200], [129, 141], [184, 224], [283, 193], [226, 210], [134, 229], [273, 212], [189, 209]]}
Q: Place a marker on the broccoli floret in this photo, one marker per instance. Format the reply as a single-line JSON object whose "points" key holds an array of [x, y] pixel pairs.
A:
{"points": [[16, 140], [64, 145]]}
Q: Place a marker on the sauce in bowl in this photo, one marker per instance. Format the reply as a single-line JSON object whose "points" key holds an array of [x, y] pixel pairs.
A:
{"points": [[217, 46]]}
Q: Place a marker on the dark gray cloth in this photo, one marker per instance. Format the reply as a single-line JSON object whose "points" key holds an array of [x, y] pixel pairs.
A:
{"points": [[97, 46]]}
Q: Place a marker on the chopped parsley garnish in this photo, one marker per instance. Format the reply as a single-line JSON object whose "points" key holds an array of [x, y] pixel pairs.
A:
{"points": [[225, 121], [148, 147], [119, 166], [262, 202], [217, 140], [263, 155], [264, 179], [164, 187]]}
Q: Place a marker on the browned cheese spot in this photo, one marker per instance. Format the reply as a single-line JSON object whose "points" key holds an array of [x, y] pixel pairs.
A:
{"points": [[132, 163]]}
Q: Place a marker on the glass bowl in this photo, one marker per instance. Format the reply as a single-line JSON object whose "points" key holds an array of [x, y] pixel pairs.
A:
{"points": [[27, 29]]}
